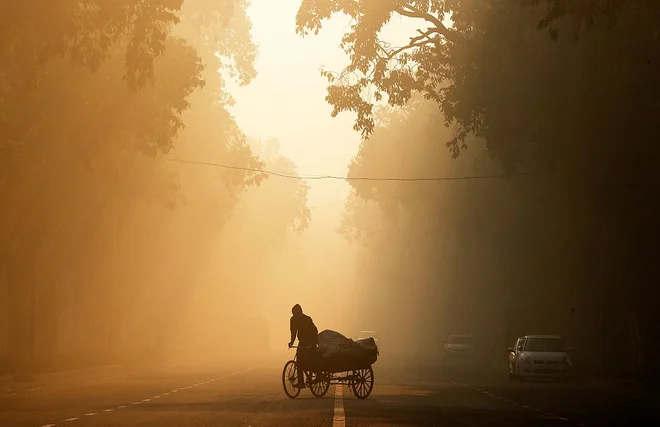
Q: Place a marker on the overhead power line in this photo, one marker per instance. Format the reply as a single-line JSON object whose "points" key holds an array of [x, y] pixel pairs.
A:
{"points": [[347, 178]]}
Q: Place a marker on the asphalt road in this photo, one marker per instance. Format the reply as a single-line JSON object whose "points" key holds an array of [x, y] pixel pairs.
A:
{"points": [[253, 396]]}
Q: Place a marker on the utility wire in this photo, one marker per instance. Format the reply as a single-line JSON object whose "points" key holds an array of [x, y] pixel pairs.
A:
{"points": [[347, 178]]}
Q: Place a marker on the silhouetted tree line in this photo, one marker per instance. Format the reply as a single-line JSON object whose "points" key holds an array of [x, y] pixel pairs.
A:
{"points": [[100, 236], [565, 88]]}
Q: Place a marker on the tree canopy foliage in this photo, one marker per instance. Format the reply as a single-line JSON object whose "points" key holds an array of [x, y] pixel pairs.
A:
{"points": [[96, 97], [466, 67]]}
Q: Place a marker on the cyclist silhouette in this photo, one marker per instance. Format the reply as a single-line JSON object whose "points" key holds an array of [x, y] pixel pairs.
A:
{"points": [[302, 326]]}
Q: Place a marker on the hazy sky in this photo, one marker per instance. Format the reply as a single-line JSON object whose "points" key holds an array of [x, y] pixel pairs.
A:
{"points": [[287, 99]]}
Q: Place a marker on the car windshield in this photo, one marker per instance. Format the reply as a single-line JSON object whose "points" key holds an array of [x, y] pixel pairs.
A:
{"points": [[545, 344], [460, 340]]}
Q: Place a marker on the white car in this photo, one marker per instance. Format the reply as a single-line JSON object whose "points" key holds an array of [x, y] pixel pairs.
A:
{"points": [[459, 344], [459, 352], [540, 356]]}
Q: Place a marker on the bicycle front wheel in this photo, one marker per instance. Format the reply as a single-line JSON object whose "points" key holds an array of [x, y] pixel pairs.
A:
{"points": [[290, 379]]}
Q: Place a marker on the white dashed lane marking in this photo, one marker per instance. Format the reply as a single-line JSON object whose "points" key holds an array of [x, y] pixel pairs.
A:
{"points": [[339, 417], [89, 414], [527, 407]]}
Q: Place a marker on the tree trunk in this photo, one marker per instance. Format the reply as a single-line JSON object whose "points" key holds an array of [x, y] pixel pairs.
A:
{"points": [[585, 278], [20, 287], [647, 293]]}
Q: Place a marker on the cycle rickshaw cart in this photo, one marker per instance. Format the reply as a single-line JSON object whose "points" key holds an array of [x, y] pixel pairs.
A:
{"points": [[320, 374]]}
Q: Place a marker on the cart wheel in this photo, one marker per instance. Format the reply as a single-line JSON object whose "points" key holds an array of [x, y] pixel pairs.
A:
{"points": [[363, 382], [290, 379], [319, 383]]}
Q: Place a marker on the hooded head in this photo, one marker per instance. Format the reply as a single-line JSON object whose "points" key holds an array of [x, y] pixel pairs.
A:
{"points": [[297, 310]]}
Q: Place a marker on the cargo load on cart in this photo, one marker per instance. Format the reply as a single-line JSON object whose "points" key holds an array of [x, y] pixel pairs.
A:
{"points": [[336, 353]]}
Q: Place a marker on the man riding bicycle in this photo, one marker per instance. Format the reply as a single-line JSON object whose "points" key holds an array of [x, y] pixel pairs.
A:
{"points": [[302, 326]]}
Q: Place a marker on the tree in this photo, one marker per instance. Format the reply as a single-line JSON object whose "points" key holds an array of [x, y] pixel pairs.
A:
{"points": [[284, 199], [535, 99], [80, 157], [429, 63], [253, 255], [452, 247]]}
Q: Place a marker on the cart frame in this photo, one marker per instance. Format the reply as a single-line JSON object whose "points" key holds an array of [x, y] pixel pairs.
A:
{"points": [[360, 380]]}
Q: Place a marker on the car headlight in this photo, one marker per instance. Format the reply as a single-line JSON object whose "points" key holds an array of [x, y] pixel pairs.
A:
{"points": [[567, 361]]}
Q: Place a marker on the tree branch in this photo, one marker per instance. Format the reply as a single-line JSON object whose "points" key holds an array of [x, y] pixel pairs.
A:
{"points": [[440, 28], [424, 35], [391, 54], [419, 41]]}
